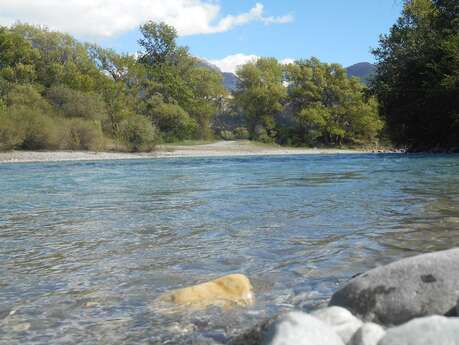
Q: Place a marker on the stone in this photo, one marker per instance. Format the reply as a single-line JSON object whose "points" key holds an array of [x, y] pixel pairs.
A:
{"points": [[431, 330], [340, 320], [419, 286], [227, 291], [297, 328], [369, 334], [293, 328]]}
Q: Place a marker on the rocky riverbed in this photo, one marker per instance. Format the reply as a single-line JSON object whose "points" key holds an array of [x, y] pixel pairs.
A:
{"points": [[413, 301]]}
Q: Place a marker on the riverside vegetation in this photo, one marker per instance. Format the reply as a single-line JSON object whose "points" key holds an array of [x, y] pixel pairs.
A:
{"points": [[58, 93]]}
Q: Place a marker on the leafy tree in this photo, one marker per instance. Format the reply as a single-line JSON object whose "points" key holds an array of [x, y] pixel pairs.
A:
{"points": [[158, 43], [329, 107], [260, 95], [417, 75], [173, 122], [181, 82]]}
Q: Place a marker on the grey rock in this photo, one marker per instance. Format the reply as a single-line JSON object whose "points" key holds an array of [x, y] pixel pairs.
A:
{"points": [[294, 328], [340, 320], [432, 330], [254, 335], [369, 334], [419, 286]]}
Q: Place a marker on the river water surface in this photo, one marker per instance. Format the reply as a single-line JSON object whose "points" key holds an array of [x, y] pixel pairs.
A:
{"points": [[86, 247]]}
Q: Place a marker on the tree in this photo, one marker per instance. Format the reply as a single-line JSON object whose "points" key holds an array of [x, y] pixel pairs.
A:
{"points": [[417, 75], [158, 43], [330, 107], [188, 89], [260, 95]]}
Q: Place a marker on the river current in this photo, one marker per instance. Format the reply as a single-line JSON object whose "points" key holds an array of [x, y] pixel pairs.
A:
{"points": [[86, 247]]}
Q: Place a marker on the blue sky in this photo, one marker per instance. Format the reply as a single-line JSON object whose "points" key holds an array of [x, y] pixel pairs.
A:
{"points": [[226, 32]]}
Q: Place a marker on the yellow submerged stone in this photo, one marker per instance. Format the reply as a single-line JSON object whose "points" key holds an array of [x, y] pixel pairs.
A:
{"points": [[227, 291]]}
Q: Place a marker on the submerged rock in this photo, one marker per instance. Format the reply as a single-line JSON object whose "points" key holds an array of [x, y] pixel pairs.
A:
{"points": [[423, 285], [438, 330], [294, 328], [340, 320], [227, 291], [369, 334]]}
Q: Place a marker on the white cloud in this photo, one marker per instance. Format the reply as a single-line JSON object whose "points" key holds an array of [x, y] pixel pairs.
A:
{"points": [[232, 62], [106, 18], [287, 61]]}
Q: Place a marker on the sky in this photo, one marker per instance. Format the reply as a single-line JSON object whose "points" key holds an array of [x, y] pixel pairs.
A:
{"points": [[225, 32]]}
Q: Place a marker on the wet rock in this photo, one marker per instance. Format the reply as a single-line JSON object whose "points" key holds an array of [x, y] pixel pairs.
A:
{"points": [[438, 330], [393, 294], [294, 328], [369, 334], [227, 291], [254, 336], [340, 320]]}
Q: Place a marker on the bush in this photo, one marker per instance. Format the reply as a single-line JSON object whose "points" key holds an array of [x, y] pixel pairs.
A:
{"points": [[82, 134], [27, 95], [11, 136], [30, 129], [138, 134], [74, 103], [241, 133], [227, 135]]}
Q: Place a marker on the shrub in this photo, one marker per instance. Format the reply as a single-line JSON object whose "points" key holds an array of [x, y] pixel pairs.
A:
{"points": [[11, 136], [227, 135], [27, 95], [30, 129], [80, 134], [241, 133], [74, 103], [138, 134]]}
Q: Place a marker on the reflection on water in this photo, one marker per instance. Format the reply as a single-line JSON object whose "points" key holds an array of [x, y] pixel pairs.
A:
{"points": [[86, 247]]}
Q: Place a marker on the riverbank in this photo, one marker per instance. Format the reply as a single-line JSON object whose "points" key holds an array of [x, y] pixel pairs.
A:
{"points": [[217, 149]]}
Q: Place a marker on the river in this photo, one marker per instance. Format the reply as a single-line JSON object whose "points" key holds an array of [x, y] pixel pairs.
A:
{"points": [[86, 247]]}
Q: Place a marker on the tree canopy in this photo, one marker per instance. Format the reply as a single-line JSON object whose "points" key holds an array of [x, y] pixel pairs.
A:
{"points": [[59, 93], [417, 80], [306, 102]]}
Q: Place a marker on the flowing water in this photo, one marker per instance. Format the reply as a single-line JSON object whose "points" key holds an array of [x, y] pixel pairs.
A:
{"points": [[86, 247]]}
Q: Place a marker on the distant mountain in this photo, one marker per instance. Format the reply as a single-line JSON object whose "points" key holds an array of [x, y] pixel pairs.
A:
{"points": [[362, 70], [230, 80]]}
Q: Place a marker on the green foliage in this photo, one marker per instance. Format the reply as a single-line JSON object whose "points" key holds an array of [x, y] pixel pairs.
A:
{"points": [[306, 102], [173, 122], [81, 134], [27, 95], [158, 43], [30, 129], [74, 103], [329, 107], [260, 95], [56, 92], [418, 73], [138, 134], [11, 135]]}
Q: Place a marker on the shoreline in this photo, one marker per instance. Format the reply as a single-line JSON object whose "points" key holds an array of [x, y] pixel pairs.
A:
{"points": [[217, 149]]}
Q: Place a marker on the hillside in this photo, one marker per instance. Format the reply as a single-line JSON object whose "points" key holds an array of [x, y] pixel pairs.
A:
{"points": [[362, 70]]}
